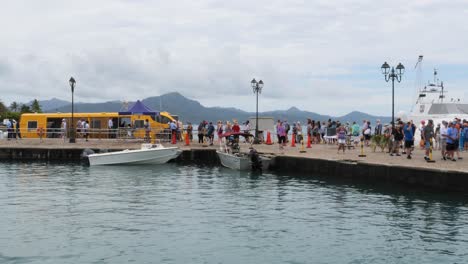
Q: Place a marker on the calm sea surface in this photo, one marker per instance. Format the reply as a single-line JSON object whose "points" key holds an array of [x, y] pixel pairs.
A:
{"points": [[67, 213]]}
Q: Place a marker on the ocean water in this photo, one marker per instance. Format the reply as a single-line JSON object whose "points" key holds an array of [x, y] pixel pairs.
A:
{"points": [[68, 213]]}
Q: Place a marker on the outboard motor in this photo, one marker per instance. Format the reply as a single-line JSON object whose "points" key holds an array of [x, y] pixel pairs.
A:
{"points": [[255, 160], [84, 155]]}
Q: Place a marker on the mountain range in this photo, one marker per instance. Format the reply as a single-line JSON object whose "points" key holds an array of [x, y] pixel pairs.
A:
{"points": [[192, 111]]}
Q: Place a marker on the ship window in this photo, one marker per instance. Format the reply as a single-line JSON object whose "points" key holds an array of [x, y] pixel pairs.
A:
{"points": [[422, 95]]}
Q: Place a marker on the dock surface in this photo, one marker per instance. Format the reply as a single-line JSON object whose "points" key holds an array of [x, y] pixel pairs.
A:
{"points": [[317, 151]]}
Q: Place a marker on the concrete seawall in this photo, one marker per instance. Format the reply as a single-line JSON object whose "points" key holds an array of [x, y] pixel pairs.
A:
{"points": [[443, 176], [373, 173]]}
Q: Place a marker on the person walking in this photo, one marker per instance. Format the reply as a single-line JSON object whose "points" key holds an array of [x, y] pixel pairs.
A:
{"points": [[341, 134], [210, 133], [443, 139], [200, 129], [452, 141], [409, 139], [18, 131], [190, 131], [86, 130], [147, 127], [63, 128], [428, 136], [397, 138], [378, 128], [110, 126]]}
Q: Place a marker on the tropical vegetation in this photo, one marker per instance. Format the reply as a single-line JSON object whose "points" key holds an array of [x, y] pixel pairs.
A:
{"points": [[15, 110]]}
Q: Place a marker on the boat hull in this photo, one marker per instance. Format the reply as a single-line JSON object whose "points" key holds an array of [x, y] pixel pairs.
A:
{"points": [[240, 162], [135, 157]]}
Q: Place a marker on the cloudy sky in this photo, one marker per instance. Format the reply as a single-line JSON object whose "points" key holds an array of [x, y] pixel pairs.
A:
{"points": [[318, 55]]}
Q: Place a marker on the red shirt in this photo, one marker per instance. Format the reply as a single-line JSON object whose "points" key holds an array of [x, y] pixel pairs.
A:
{"points": [[236, 128]]}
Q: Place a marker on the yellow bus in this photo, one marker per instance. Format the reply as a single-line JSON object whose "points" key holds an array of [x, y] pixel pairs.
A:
{"points": [[124, 125]]}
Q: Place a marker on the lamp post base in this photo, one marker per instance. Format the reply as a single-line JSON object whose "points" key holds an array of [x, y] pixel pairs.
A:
{"points": [[72, 140], [256, 140]]}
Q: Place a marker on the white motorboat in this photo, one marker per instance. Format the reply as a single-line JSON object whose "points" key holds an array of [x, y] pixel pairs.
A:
{"points": [[230, 156], [242, 161], [148, 154]]}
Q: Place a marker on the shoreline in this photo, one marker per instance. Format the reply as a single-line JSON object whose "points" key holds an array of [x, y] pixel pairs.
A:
{"points": [[321, 159]]}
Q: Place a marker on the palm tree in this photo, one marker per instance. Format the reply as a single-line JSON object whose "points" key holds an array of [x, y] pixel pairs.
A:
{"points": [[3, 108], [25, 109], [36, 107], [14, 107]]}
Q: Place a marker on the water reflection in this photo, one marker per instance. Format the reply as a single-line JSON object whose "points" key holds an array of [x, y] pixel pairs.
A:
{"points": [[68, 213]]}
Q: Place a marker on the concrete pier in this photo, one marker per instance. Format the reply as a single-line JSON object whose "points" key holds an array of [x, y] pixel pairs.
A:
{"points": [[319, 160]]}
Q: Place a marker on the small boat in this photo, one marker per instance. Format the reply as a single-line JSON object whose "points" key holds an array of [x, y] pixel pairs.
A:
{"points": [[231, 157], [147, 154]]}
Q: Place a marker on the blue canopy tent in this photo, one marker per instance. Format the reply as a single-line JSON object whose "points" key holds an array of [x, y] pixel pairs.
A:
{"points": [[139, 108]]}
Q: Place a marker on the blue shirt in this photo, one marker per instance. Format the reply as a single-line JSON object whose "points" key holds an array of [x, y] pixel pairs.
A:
{"points": [[453, 133], [408, 130]]}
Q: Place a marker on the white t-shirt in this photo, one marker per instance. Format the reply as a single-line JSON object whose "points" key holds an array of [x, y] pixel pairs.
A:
{"points": [[443, 131]]}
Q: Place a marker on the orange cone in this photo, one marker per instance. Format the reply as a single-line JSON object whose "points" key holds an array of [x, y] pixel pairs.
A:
{"points": [[293, 141], [268, 141], [187, 141], [173, 137], [308, 142]]}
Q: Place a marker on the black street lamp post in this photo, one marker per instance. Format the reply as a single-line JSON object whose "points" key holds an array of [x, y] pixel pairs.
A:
{"points": [[393, 75], [257, 88], [72, 129]]}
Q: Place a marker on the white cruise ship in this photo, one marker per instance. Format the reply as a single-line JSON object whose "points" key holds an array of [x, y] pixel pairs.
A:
{"points": [[433, 103]]}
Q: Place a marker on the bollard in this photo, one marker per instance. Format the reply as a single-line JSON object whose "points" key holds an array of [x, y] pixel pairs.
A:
{"points": [[430, 160], [362, 148], [302, 147]]}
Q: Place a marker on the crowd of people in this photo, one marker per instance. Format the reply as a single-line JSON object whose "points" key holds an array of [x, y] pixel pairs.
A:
{"points": [[447, 137], [12, 128]]}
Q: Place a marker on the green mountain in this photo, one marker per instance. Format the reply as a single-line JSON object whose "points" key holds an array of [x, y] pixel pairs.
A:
{"points": [[192, 111]]}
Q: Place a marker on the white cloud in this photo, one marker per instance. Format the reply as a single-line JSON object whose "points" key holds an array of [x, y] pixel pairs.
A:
{"points": [[321, 56]]}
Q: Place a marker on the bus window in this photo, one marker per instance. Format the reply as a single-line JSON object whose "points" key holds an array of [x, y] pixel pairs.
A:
{"points": [[165, 120], [124, 121], [139, 124], [95, 123], [32, 125]]}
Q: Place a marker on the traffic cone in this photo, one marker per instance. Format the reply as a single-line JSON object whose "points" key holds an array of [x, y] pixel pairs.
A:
{"points": [[308, 142], [293, 141], [173, 137], [268, 141], [187, 141]]}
